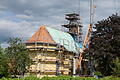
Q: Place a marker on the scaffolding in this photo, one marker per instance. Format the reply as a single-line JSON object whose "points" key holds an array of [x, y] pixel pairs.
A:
{"points": [[50, 59], [74, 26]]}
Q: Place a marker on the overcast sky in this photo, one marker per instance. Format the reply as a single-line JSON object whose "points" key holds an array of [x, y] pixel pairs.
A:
{"points": [[21, 18]]}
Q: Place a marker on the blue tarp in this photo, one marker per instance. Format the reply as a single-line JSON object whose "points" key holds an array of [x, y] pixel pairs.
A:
{"points": [[64, 39]]}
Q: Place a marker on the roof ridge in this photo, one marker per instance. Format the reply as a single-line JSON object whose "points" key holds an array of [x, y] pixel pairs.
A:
{"points": [[56, 29]]}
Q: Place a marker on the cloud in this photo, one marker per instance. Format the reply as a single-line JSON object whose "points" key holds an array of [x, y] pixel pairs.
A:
{"points": [[23, 17], [13, 29], [4, 45]]}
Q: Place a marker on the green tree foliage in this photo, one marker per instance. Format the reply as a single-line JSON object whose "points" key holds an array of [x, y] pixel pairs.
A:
{"points": [[105, 44], [3, 63], [116, 68], [18, 57]]}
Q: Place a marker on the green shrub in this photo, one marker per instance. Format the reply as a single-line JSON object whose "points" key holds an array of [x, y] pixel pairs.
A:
{"points": [[98, 73], [62, 78], [116, 68]]}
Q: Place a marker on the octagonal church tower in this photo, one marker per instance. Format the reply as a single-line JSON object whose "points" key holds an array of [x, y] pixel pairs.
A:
{"points": [[52, 52]]}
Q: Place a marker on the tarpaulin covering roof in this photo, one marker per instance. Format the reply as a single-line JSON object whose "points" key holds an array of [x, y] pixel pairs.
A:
{"points": [[63, 38], [50, 35]]}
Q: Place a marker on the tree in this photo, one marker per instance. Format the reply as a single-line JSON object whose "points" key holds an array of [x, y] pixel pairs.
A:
{"points": [[3, 64], [18, 57], [105, 44]]}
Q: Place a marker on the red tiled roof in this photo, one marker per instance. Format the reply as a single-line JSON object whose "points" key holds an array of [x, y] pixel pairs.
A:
{"points": [[42, 35]]}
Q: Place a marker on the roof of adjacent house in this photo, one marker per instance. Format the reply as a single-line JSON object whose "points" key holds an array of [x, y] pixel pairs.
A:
{"points": [[50, 35]]}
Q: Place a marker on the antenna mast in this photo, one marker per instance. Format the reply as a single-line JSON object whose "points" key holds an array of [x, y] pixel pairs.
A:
{"points": [[87, 40]]}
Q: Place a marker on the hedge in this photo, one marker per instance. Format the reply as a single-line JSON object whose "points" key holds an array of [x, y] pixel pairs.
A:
{"points": [[62, 78]]}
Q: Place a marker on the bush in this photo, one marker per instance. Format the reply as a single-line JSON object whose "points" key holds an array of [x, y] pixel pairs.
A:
{"points": [[98, 73], [62, 78], [116, 69]]}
